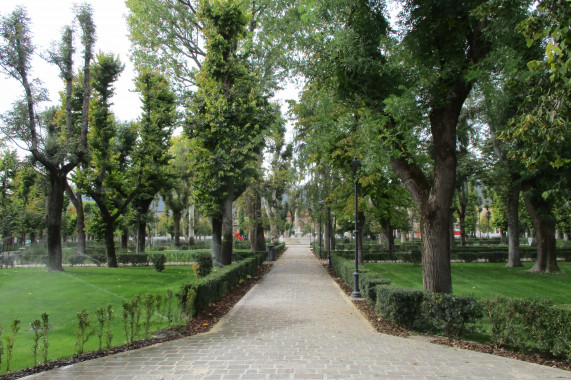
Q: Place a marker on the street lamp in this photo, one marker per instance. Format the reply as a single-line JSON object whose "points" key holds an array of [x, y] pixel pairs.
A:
{"points": [[331, 233], [479, 221], [355, 165], [139, 210]]}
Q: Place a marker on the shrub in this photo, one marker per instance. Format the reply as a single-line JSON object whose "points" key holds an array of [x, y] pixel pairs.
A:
{"points": [[134, 260], [76, 259], [368, 282], [158, 260], [529, 324], [202, 263], [401, 306], [449, 313], [413, 256]]}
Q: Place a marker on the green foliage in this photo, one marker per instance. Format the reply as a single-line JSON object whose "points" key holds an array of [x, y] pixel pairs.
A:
{"points": [[158, 260], [10, 340], [134, 260], [84, 331], [41, 329], [104, 317], [529, 324], [149, 302], [401, 306], [449, 313], [194, 298], [368, 283], [203, 263]]}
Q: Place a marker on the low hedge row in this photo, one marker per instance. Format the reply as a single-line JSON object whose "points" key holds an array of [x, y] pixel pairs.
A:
{"points": [[195, 297], [521, 324]]}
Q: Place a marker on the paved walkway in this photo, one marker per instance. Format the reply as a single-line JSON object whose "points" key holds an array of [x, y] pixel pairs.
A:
{"points": [[297, 324]]}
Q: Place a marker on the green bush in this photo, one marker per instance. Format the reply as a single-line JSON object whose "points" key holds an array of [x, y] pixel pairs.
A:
{"points": [[203, 263], [401, 306], [368, 282], [158, 260], [529, 324], [413, 256], [134, 260], [76, 260], [449, 313]]}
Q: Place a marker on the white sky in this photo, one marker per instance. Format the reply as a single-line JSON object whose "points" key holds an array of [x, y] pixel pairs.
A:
{"points": [[48, 17]]}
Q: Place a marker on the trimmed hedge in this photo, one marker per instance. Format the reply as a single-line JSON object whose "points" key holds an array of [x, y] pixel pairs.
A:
{"points": [[522, 324], [134, 260], [529, 325], [196, 297]]}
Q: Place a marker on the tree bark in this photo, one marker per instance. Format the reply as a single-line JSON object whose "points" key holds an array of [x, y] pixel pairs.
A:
{"points": [[260, 239], [327, 230], [217, 240], [125, 238], [55, 210], [541, 214], [514, 259], [388, 232], [110, 243], [176, 217], [227, 226]]}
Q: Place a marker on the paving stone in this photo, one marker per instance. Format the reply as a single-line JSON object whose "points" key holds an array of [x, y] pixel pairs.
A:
{"points": [[297, 324]]}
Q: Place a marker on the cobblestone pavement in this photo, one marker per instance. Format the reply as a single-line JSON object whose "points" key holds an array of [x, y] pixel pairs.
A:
{"points": [[297, 324]]}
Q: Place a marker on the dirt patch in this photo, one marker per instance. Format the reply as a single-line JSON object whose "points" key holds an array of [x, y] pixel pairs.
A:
{"points": [[201, 323], [385, 327]]}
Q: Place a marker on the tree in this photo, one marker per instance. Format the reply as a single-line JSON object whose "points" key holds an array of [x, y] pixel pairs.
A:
{"points": [[228, 117], [156, 126], [177, 196], [413, 91], [277, 178], [63, 149], [111, 180]]}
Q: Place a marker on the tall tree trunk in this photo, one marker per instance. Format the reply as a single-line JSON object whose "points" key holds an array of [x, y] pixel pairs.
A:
{"points": [[435, 245], [227, 226], [176, 217], [327, 230], [260, 239], [55, 210], [77, 201], [217, 240], [142, 234], [125, 238], [541, 214], [332, 234], [110, 243], [514, 259], [388, 232]]}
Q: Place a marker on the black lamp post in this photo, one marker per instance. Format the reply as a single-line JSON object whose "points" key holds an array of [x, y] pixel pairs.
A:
{"points": [[328, 221], [139, 210], [355, 165]]}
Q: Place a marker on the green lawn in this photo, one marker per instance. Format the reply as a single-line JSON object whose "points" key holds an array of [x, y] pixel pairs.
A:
{"points": [[485, 280], [26, 293]]}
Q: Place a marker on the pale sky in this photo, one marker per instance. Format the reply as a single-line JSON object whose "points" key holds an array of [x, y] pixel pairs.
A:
{"points": [[48, 19]]}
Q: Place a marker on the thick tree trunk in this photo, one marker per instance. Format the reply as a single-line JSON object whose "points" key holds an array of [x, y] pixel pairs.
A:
{"points": [[110, 243], [227, 227], [332, 234], [434, 226], [541, 214], [125, 238], [81, 238], [55, 210], [388, 233], [514, 259], [217, 240], [142, 235]]}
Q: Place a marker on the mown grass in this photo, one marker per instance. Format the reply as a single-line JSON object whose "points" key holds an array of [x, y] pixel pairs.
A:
{"points": [[26, 293], [486, 280]]}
